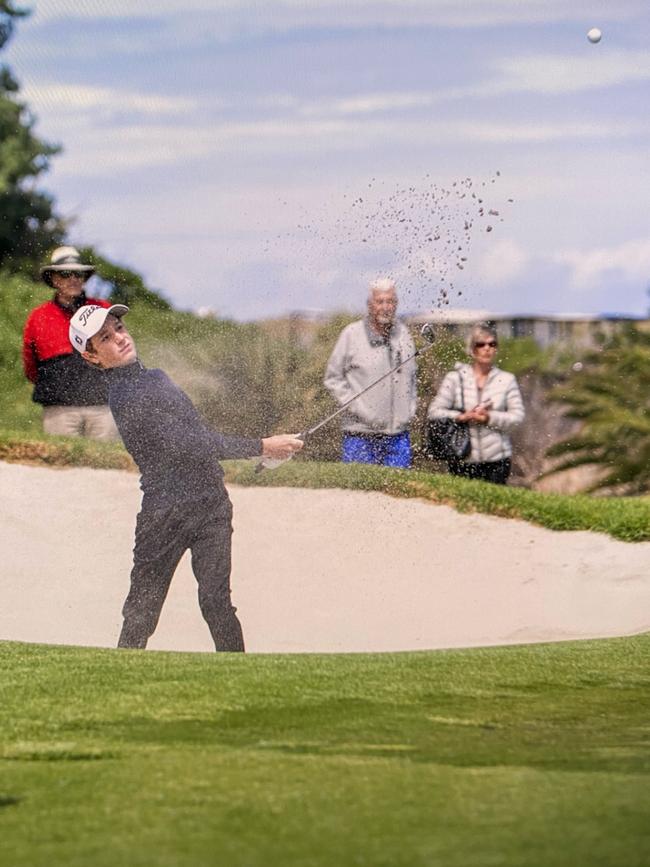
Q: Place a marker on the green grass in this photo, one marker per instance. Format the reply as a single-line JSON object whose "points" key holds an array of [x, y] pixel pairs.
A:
{"points": [[624, 518], [535, 755], [627, 519], [63, 451]]}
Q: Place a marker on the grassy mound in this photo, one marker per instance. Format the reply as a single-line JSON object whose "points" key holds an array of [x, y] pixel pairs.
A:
{"points": [[513, 756], [626, 518], [63, 452]]}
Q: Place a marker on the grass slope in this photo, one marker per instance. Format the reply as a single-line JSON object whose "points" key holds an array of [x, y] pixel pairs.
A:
{"points": [[532, 755], [166, 333], [626, 518]]}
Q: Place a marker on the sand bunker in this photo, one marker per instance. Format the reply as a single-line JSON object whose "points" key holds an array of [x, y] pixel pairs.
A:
{"points": [[313, 571]]}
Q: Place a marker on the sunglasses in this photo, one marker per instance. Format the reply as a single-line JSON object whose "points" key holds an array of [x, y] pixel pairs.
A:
{"points": [[481, 343], [67, 274]]}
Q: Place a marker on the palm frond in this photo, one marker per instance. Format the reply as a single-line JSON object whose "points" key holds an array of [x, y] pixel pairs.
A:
{"points": [[612, 400]]}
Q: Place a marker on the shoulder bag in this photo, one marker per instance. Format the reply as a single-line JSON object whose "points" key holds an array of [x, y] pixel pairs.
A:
{"points": [[446, 438]]}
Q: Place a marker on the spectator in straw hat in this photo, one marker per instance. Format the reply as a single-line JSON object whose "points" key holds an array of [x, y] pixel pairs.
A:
{"points": [[74, 396]]}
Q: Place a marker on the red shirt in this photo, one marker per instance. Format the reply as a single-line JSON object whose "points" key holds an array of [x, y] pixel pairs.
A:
{"points": [[60, 375], [46, 334]]}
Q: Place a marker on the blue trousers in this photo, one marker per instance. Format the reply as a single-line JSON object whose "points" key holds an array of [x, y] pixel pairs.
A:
{"points": [[388, 450]]}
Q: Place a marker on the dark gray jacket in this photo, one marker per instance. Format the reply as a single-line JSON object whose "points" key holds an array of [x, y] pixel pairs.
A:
{"points": [[176, 453]]}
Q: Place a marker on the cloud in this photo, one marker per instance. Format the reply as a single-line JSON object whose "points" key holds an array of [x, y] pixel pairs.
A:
{"points": [[98, 150], [239, 17], [539, 133], [77, 103], [48, 10], [545, 74], [556, 74], [630, 260], [169, 178], [69, 101], [504, 262], [372, 103]]}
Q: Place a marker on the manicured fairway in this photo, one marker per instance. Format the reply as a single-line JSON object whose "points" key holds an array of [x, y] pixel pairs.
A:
{"points": [[536, 755]]}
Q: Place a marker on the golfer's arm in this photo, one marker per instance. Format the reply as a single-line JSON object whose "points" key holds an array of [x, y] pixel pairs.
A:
{"points": [[231, 447], [197, 440], [167, 434]]}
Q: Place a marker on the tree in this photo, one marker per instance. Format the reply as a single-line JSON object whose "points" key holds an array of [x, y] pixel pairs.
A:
{"points": [[8, 11], [29, 224], [126, 286], [610, 396]]}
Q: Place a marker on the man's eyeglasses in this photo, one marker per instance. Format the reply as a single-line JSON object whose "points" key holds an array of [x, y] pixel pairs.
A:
{"points": [[481, 343], [67, 274]]}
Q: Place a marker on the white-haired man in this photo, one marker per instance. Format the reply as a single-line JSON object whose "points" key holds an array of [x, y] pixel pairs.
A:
{"points": [[376, 426]]}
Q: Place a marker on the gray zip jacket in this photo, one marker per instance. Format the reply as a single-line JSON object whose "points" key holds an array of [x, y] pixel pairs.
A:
{"points": [[490, 442], [360, 357]]}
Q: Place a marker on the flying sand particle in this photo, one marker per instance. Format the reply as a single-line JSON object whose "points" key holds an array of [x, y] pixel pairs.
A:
{"points": [[430, 252]]}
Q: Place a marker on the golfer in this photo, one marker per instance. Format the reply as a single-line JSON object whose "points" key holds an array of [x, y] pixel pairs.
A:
{"points": [[184, 503]]}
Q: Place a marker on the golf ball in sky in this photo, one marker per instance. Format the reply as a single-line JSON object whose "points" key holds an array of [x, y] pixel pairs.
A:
{"points": [[594, 35]]}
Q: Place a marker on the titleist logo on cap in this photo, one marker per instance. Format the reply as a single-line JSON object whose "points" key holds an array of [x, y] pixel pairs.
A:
{"points": [[86, 312]]}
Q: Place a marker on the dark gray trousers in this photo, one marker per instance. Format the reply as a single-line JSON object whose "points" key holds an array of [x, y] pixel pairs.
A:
{"points": [[162, 535]]}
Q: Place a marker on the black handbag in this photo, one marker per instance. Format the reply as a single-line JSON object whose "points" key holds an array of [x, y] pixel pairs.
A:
{"points": [[448, 439]]}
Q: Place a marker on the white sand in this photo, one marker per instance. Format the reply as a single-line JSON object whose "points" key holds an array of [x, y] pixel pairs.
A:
{"points": [[313, 571]]}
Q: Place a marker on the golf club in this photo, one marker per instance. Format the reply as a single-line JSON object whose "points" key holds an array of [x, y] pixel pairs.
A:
{"points": [[426, 332]]}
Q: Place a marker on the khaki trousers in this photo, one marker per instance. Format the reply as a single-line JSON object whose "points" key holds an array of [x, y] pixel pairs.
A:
{"points": [[95, 422]]}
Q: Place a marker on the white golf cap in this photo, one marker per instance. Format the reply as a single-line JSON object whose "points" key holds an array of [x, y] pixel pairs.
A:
{"points": [[89, 320]]}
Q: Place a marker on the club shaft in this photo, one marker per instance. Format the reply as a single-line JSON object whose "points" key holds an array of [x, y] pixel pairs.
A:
{"points": [[362, 392]]}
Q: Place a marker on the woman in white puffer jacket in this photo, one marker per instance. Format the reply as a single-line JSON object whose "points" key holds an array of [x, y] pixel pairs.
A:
{"points": [[489, 400]]}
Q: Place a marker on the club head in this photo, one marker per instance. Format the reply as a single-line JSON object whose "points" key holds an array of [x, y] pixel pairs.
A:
{"points": [[427, 332]]}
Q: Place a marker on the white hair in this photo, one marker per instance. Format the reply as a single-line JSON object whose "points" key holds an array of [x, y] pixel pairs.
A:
{"points": [[383, 284]]}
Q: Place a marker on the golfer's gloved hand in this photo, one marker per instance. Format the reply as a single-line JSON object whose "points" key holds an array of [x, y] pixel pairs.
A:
{"points": [[282, 446], [277, 450]]}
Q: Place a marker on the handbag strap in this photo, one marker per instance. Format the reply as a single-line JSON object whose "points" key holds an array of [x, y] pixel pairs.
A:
{"points": [[462, 396]]}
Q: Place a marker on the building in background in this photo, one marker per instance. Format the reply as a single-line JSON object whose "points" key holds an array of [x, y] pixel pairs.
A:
{"points": [[578, 329]]}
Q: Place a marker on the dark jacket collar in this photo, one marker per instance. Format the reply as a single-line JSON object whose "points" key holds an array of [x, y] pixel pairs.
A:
{"points": [[129, 371], [77, 302]]}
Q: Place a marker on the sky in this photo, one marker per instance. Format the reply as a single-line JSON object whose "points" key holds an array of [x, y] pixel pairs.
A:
{"points": [[267, 157]]}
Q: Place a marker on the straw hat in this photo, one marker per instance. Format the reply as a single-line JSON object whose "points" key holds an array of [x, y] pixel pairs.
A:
{"points": [[65, 259]]}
